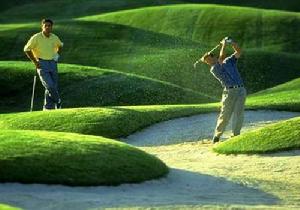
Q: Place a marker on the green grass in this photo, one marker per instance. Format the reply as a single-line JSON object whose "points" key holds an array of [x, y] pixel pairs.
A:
{"points": [[110, 122], [206, 24], [83, 86], [285, 97], [166, 53], [8, 207], [72, 159], [120, 121], [276, 137], [16, 9]]}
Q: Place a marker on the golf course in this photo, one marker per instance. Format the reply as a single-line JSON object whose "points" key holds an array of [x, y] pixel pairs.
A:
{"points": [[137, 117]]}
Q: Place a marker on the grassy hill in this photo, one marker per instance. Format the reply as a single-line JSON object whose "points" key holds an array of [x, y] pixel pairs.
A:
{"points": [[72, 159], [83, 86], [110, 122], [114, 122], [207, 24], [8, 207], [276, 137], [167, 51], [15, 9], [285, 97]]}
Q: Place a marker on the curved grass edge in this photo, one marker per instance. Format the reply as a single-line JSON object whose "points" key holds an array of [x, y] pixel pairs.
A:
{"points": [[8, 207], [280, 136], [73, 159]]}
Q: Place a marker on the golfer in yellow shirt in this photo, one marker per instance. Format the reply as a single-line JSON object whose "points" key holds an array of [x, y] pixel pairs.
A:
{"points": [[43, 50]]}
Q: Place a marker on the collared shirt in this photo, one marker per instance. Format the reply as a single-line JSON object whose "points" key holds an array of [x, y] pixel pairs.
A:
{"points": [[227, 72], [42, 46]]}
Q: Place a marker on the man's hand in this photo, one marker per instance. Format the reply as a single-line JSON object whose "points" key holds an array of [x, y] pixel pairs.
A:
{"points": [[223, 41]]}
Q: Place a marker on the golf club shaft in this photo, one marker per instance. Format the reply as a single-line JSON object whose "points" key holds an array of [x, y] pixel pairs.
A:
{"points": [[218, 45], [32, 96], [215, 48]]}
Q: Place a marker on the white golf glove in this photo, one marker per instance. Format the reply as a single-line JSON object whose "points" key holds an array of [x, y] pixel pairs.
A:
{"points": [[56, 57], [228, 40]]}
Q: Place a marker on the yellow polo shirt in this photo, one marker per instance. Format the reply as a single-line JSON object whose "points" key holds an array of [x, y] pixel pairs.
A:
{"points": [[42, 46]]}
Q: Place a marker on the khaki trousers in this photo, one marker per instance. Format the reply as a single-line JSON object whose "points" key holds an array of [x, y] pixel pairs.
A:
{"points": [[233, 102]]}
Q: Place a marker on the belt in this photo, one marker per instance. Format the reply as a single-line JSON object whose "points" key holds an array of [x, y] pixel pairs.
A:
{"points": [[235, 86], [45, 59]]}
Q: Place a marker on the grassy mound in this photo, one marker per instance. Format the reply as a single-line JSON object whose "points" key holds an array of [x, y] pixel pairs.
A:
{"points": [[256, 28], [16, 9], [86, 86], [111, 122], [72, 159], [285, 96], [167, 52], [121, 121], [280, 136], [8, 207]]}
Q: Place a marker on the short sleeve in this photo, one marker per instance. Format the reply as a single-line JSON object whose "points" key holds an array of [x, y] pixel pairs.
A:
{"points": [[232, 59], [31, 44]]}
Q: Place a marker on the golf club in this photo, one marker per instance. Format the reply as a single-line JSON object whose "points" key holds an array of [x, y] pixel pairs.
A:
{"points": [[228, 40], [32, 96], [195, 64]]}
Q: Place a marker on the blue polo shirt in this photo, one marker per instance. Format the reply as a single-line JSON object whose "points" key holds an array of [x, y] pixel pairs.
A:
{"points": [[227, 72]]}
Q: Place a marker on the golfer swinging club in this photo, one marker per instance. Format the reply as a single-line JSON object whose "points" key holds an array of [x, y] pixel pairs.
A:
{"points": [[42, 49], [225, 70]]}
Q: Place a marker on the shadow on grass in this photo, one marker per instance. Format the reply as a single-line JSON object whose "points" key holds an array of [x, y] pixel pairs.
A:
{"points": [[180, 187], [290, 153]]}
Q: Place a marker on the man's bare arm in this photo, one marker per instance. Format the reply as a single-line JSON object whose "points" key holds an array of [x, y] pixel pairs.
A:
{"points": [[33, 59], [59, 50], [237, 50], [222, 55]]}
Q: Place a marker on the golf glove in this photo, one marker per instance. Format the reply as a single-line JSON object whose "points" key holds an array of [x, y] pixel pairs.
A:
{"points": [[228, 40]]}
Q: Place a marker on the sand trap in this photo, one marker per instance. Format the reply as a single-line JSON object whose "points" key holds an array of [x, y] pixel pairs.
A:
{"points": [[198, 176], [199, 127]]}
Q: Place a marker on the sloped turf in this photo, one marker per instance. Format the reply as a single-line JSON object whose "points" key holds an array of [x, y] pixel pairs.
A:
{"points": [[280, 136], [16, 9], [121, 121], [269, 39], [72, 159], [285, 97], [253, 28], [110, 122], [83, 86], [8, 207]]}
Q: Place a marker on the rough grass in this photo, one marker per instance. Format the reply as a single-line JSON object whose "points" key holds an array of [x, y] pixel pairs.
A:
{"points": [[120, 121], [284, 97], [276, 137], [110, 122], [16, 9], [8, 207], [72, 159], [167, 52], [206, 24], [83, 86]]}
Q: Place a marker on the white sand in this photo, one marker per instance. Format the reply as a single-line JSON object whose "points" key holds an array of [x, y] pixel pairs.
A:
{"points": [[198, 176], [199, 127]]}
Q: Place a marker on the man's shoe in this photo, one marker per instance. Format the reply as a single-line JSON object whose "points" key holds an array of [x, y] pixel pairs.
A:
{"points": [[215, 139]]}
